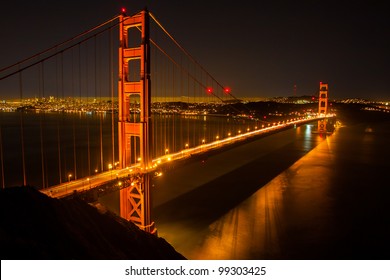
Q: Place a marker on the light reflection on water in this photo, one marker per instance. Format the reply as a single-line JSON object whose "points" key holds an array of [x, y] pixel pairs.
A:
{"points": [[257, 227], [248, 231], [332, 203]]}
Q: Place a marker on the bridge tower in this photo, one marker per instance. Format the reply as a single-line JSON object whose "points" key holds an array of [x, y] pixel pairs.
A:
{"points": [[322, 106], [135, 200]]}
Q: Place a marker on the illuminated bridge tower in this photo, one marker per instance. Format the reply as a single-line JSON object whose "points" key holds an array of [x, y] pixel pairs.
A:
{"points": [[134, 80], [322, 106]]}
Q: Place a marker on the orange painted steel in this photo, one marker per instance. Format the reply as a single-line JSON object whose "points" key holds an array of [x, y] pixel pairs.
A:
{"points": [[322, 107], [135, 202]]}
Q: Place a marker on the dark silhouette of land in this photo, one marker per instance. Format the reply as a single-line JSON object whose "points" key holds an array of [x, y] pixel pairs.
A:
{"points": [[34, 226]]}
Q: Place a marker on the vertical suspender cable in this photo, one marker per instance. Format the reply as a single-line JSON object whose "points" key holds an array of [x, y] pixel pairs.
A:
{"points": [[74, 125], [95, 90], [161, 116], [42, 153], [111, 81], [166, 114], [63, 116], [181, 93], [59, 151], [41, 90], [100, 119], [74, 149], [89, 146], [44, 126], [87, 100], [173, 119], [197, 125], [101, 141], [58, 124], [22, 131], [155, 127], [80, 85], [190, 105], [195, 137], [96, 86]]}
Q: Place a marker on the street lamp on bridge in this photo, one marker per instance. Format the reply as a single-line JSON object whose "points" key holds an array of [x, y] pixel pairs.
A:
{"points": [[66, 186], [110, 169]]}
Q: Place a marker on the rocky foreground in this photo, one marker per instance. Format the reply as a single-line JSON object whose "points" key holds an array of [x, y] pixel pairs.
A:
{"points": [[34, 226]]}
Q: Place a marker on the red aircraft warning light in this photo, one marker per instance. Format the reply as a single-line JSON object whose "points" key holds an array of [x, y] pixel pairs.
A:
{"points": [[227, 90], [209, 90], [123, 10]]}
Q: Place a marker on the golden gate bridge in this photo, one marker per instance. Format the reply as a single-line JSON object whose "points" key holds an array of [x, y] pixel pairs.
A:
{"points": [[138, 85]]}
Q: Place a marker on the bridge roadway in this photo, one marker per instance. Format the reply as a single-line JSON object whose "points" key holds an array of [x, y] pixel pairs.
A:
{"points": [[93, 181]]}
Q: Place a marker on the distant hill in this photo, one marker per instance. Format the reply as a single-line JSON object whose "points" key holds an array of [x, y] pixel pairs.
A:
{"points": [[34, 226]]}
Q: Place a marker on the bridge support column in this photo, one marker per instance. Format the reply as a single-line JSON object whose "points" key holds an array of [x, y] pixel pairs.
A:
{"points": [[322, 107], [135, 202]]}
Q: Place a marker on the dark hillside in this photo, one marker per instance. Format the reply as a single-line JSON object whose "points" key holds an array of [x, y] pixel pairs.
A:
{"points": [[34, 226]]}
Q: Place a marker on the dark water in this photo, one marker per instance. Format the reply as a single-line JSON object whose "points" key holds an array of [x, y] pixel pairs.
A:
{"points": [[292, 195], [54, 144]]}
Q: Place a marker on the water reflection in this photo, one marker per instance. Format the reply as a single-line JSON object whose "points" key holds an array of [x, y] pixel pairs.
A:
{"points": [[249, 231], [308, 136], [280, 220]]}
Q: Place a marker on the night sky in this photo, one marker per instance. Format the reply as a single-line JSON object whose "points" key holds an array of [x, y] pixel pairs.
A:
{"points": [[258, 48]]}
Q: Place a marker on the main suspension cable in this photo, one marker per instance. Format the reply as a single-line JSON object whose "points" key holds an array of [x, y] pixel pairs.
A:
{"points": [[60, 44], [54, 54], [188, 54]]}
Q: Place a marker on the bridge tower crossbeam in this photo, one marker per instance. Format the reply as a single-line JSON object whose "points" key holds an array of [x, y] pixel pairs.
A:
{"points": [[135, 200]]}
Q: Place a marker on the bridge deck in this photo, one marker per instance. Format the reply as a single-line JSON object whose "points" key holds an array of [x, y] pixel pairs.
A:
{"points": [[100, 179]]}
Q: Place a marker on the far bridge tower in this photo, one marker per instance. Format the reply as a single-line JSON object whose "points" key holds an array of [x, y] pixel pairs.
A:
{"points": [[322, 107]]}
